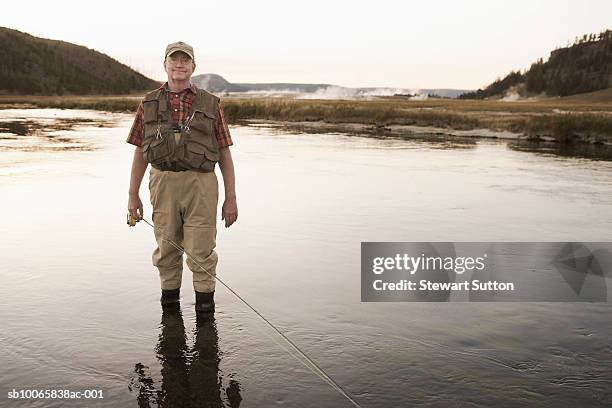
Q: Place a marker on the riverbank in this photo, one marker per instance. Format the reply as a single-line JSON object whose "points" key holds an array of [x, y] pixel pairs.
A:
{"points": [[551, 120], [562, 120], [395, 131]]}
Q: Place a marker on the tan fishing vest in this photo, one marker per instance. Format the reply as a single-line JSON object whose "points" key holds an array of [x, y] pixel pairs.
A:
{"points": [[197, 147]]}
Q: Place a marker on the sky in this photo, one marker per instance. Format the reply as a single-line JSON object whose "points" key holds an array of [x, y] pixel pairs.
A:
{"points": [[405, 44]]}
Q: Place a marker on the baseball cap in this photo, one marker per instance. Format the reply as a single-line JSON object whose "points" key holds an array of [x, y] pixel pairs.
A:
{"points": [[179, 46]]}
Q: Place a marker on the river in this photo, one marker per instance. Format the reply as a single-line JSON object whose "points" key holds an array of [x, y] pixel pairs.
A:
{"points": [[79, 304]]}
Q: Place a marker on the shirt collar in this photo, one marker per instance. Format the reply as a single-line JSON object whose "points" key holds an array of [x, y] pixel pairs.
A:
{"points": [[191, 87]]}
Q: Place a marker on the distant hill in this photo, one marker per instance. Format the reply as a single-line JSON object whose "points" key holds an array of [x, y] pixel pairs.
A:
{"points": [[217, 84], [585, 66], [32, 65]]}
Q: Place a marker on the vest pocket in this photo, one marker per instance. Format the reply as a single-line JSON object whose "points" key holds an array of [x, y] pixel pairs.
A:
{"points": [[200, 156], [211, 154], [203, 122], [195, 154], [156, 151], [150, 111]]}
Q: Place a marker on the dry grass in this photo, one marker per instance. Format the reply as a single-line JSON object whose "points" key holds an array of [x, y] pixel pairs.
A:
{"points": [[563, 118], [556, 118], [119, 103]]}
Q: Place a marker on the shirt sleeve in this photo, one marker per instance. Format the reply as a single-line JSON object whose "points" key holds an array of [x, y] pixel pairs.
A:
{"points": [[224, 139], [135, 135]]}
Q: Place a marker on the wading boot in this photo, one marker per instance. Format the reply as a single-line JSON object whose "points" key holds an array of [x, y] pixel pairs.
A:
{"points": [[170, 297], [205, 302]]}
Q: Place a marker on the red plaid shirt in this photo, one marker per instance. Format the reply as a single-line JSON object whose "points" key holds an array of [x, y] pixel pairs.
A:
{"points": [[180, 105]]}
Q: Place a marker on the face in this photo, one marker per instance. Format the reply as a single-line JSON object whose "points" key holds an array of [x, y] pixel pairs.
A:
{"points": [[179, 66]]}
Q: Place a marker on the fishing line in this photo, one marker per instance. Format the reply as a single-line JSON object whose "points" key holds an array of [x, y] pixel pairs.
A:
{"points": [[312, 366]]}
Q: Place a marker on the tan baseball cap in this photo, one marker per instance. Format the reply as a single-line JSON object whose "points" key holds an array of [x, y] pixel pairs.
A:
{"points": [[179, 46]]}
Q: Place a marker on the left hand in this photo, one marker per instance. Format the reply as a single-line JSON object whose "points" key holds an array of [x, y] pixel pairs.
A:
{"points": [[229, 211]]}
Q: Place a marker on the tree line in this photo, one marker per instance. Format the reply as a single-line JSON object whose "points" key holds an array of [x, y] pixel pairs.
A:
{"points": [[584, 66]]}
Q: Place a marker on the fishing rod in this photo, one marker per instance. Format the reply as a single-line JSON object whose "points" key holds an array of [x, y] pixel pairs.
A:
{"points": [[314, 367]]}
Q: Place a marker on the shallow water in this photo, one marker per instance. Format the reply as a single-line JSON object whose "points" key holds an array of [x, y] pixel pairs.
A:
{"points": [[80, 301]]}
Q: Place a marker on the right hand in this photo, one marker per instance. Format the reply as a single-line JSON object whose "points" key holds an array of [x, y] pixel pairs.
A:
{"points": [[135, 207]]}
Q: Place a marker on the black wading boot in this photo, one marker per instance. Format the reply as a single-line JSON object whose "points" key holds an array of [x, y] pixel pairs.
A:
{"points": [[205, 302], [170, 297]]}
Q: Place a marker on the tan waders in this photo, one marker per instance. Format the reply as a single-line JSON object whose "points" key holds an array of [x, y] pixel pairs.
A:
{"points": [[185, 211], [184, 192]]}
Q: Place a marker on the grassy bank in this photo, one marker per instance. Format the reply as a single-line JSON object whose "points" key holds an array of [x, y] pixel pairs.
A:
{"points": [[585, 121], [563, 119], [119, 103]]}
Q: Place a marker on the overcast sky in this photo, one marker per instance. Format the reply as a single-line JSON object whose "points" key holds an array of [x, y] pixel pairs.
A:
{"points": [[410, 44]]}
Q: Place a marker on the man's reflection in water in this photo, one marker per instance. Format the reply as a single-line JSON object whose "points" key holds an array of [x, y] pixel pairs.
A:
{"points": [[190, 378]]}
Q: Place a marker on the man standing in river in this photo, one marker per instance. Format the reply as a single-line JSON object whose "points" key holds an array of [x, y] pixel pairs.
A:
{"points": [[182, 132]]}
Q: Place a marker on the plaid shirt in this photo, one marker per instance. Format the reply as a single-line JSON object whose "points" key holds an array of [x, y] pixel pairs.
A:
{"points": [[180, 105]]}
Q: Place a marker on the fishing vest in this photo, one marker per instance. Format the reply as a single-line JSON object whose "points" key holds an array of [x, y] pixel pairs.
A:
{"points": [[197, 147]]}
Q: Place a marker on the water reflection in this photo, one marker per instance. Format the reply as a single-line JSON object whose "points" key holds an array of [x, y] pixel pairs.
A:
{"points": [[63, 144], [381, 135], [25, 127], [580, 150], [45, 134], [190, 376]]}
